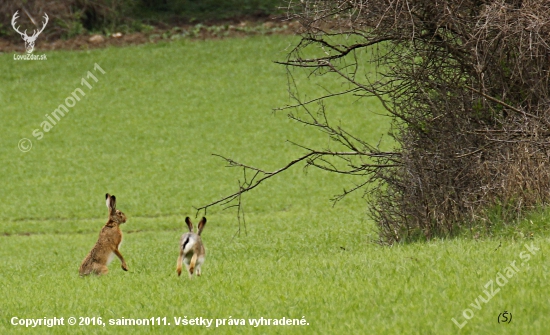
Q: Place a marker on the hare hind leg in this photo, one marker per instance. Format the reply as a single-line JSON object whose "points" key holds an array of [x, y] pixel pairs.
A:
{"points": [[99, 269], [192, 264], [200, 260], [83, 271], [180, 261]]}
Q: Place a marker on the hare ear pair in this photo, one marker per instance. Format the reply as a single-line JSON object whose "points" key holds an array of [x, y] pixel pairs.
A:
{"points": [[190, 225], [111, 202]]}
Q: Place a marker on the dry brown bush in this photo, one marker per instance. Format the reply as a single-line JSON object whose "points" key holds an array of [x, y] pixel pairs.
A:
{"points": [[466, 84]]}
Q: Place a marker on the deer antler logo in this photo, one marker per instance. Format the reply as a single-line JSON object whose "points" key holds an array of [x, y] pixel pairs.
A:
{"points": [[29, 40]]}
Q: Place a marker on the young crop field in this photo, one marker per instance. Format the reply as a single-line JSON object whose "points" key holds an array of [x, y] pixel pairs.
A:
{"points": [[143, 123]]}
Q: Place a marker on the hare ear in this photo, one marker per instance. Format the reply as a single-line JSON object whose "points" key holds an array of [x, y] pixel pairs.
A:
{"points": [[113, 202], [201, 225], [189, 224], [110, 200]]}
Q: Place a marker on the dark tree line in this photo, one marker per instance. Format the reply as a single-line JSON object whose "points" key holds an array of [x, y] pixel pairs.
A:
{"points": [[75, 17]]}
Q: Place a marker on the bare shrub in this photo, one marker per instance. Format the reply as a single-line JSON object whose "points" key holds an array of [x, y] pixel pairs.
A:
{"points": [[466, 86]]}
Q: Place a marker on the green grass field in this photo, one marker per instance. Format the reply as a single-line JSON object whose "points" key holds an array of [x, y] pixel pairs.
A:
{"points": [[145, 131]]}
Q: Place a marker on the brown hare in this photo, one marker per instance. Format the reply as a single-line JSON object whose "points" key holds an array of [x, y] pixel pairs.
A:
{"points": [[192, 251], [107, 244]]}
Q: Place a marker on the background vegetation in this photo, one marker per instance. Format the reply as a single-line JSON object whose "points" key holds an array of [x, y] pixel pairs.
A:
{"points": [[70, 18]]}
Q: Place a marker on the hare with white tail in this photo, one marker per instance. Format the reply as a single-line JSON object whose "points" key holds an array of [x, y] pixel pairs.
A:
{"points": [[107, 244], [192, 251]]}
